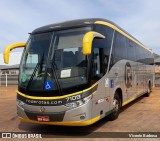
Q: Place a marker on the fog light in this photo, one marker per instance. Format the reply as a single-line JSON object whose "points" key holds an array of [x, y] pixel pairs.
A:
{"points": [[82, 117], [79, 103]]}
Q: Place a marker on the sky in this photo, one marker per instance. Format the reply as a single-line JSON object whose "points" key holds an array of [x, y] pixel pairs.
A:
{"points": [[140, 18], [15, 58]]}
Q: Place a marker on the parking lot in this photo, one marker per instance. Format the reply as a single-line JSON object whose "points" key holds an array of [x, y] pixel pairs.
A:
{"points": [[142, 115]]}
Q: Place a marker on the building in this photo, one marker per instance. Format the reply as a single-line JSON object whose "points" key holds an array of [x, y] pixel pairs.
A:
{"points": [[157, 69], [15, 58], [10, 71], [157, 62], [9, 74]]}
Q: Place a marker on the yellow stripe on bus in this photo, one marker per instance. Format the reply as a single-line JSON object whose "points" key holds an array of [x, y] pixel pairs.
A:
{"points": [[55, 97], [128, 101], [120, 31], [133, 98]]}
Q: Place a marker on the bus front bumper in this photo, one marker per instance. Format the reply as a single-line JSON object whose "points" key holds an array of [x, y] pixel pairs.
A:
{"points": [[57, 115], [64, 123]]}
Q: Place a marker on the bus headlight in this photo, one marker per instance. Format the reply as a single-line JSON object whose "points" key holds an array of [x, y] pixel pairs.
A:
{"points": [[78, 103]]}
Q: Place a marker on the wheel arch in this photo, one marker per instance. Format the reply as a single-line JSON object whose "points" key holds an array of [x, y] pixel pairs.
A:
{"points": [[149, 82], [120, 93]]}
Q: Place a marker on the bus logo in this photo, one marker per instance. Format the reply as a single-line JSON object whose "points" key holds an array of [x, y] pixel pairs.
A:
{"points": [[42, 109], [128, 75]]}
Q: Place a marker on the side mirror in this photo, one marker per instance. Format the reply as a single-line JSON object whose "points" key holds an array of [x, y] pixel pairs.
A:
{"points": [[87, 41], [11, 47]]}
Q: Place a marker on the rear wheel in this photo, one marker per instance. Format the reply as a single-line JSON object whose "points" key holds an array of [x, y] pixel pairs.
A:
{"points": [[116, 107], [149, 89]]}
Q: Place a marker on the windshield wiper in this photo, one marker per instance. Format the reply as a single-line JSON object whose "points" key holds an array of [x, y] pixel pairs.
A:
{"points": [[34, 72], [56, 78]]}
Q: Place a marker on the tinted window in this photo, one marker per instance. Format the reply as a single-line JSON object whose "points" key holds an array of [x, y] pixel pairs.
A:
{"points": [[119, 48], [103, 44], [144, 56], [151, 59], [106, 43], [131, 47]]}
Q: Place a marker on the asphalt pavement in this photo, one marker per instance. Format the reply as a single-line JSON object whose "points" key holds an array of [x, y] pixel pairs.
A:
{"points": [[141, 115]]}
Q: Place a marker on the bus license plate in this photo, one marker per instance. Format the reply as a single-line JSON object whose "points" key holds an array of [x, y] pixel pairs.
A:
{"points": [[43, 118]]}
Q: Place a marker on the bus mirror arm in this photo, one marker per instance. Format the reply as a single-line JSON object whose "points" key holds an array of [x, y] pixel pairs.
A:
{"points": [[10, 47], [87, 41]]}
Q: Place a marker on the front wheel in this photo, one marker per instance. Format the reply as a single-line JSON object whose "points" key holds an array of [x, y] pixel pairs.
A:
{"points": [[116, 107]]}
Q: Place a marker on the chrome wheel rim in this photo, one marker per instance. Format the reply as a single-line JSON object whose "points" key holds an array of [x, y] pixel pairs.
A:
{"points": [[115, 105]]}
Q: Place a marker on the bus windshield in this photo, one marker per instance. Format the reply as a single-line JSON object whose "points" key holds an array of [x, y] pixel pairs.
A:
{"points": [[54, 61]]}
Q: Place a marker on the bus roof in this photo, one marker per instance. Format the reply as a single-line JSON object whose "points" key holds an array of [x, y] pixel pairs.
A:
{"points": [[83, 22], [70, 24]]}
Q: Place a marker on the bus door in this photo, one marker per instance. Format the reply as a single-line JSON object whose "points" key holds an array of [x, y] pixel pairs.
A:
{"points": [[141, 78], [98, 70]]}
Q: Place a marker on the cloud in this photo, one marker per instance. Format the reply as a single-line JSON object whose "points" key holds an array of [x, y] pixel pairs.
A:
{"points": [[140, 18]]}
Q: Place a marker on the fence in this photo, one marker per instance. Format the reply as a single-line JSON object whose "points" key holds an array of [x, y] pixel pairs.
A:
{"points": [[157, 79], [6, 79]]}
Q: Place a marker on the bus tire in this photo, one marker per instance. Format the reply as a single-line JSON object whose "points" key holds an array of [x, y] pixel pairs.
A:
{"points": [[149, 89], [116, 107]]}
